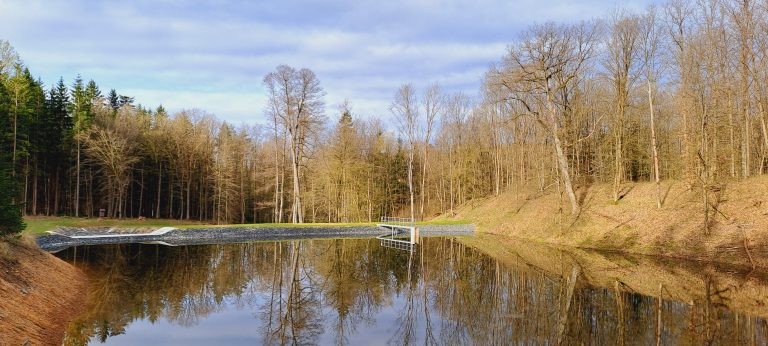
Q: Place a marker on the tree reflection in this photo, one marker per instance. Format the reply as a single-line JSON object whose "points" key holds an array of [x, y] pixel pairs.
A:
{"points": [[305, 292]]}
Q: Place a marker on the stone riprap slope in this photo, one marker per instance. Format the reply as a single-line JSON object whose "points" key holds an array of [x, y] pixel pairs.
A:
{"points": [[101, 231], [233, 234]]}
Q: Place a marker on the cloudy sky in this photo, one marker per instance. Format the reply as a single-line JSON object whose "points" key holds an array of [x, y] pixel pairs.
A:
{"points": [[213, 54]]}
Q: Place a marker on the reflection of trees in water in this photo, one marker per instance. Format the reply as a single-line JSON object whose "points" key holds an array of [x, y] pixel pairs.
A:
{"points": [[353, 278], [481, 301], [445, 293], [293, 310], [405, 323]]}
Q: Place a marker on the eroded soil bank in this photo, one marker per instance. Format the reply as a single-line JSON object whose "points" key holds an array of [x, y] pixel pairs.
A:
{"points": [[40, 294], [736, 231]]}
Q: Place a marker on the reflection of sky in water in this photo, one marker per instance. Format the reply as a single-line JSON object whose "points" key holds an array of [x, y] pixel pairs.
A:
{"points": [[235, 325], [455, 294]]}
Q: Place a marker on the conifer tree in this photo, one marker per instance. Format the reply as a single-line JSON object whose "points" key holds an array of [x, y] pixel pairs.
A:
{"points": [[11, 221], [80, 108], [113, 99]]}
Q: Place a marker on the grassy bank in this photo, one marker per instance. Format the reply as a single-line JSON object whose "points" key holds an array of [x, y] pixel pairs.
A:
{"points": [[40, 224], [740, 289], [738, 229], [41, 294]]}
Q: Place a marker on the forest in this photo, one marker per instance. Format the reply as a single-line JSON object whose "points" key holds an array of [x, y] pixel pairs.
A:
{"points": [[678, 91]]}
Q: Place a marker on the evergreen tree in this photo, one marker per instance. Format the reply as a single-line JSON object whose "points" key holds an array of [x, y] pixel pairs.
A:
{"points": [[161, 112], [34, 139], [92, 91], [114, 100], [80, 108], [11, 221], [124, 100], [57, 130], [17, 92]]}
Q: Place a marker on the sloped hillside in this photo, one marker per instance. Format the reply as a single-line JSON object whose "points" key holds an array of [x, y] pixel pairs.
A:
{"points": [[40, 295], [738, 215]]}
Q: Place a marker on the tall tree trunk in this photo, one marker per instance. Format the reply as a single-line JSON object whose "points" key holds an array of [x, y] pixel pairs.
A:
{"points": [[26, 186], [654, 146], [745, 149], [732, 133], [15, 131], [764, 130], [562, 161], [159, 190], [77, 183], [423, 190], [141, 195], [189, 193], [170, 196], [56, 191], [450, 177], [296, 211], [34, 190], [410, 181]]}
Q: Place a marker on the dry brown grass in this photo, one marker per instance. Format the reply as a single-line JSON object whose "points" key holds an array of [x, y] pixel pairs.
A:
{"points": [[40, 295], [5, 251], [738, 288], [634, 224]]}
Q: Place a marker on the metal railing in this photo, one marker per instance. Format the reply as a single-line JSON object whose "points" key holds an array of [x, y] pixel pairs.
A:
{"points": [[398, 228], [397, 220], [397, 244]]}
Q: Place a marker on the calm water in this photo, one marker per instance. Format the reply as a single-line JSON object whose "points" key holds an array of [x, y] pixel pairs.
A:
{"points": [[353, 291]]}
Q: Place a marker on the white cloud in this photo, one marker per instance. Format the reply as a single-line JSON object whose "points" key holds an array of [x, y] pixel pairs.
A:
{"points": [[234, 107], [213, 55]]}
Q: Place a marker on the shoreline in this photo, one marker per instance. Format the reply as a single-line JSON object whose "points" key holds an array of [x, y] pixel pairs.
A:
{"points": [[736, 233], [235, 234], [683, 280]]}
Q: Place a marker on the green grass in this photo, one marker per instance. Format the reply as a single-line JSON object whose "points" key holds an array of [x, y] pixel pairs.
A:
{"points": [[40, 224]]}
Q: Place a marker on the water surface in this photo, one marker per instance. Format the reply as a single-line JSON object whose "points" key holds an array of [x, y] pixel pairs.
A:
{"points": [[448, 291]]}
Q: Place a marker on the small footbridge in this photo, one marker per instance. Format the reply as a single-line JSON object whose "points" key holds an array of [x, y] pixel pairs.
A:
{"points": [[402, 233]]}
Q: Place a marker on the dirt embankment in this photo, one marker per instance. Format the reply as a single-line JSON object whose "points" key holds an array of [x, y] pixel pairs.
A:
{"points": [[40, 294], [737, 231]]}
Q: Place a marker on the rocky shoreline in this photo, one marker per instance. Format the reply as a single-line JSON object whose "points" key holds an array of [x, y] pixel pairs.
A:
{"points": [[235, 234]]}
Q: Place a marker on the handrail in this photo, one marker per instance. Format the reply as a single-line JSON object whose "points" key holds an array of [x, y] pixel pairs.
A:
{"points": [[390, 219], [389, 240]]}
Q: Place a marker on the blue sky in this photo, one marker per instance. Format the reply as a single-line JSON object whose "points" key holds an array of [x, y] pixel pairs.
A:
{"points": [[213, 55]]}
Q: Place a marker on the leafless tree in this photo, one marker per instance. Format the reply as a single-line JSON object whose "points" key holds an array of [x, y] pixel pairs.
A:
{"points": [[296, 100], [406, 112], [434, 102], [542, 73]]}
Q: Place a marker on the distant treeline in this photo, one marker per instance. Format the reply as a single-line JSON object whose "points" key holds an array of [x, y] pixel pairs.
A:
{"points": [[678, 91]]}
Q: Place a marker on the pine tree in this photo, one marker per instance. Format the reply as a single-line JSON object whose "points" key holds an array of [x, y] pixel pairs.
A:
{"points": [[124, 100], [92, 91], [11, 221], [113, 99], [58, 142], [80, 108], [33, 139]]}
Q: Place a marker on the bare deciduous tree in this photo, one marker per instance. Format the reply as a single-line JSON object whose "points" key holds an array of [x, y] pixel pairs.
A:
{"points": [[622, 70], [433, 101], [542, 73], [405, 109], [296, 100]]}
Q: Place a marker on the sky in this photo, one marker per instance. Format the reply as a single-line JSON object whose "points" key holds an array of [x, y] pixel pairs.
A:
{"points": [[213, 55]]}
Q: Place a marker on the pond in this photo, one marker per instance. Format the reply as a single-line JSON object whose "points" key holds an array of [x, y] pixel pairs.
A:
{"points": [[461, 290]]}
